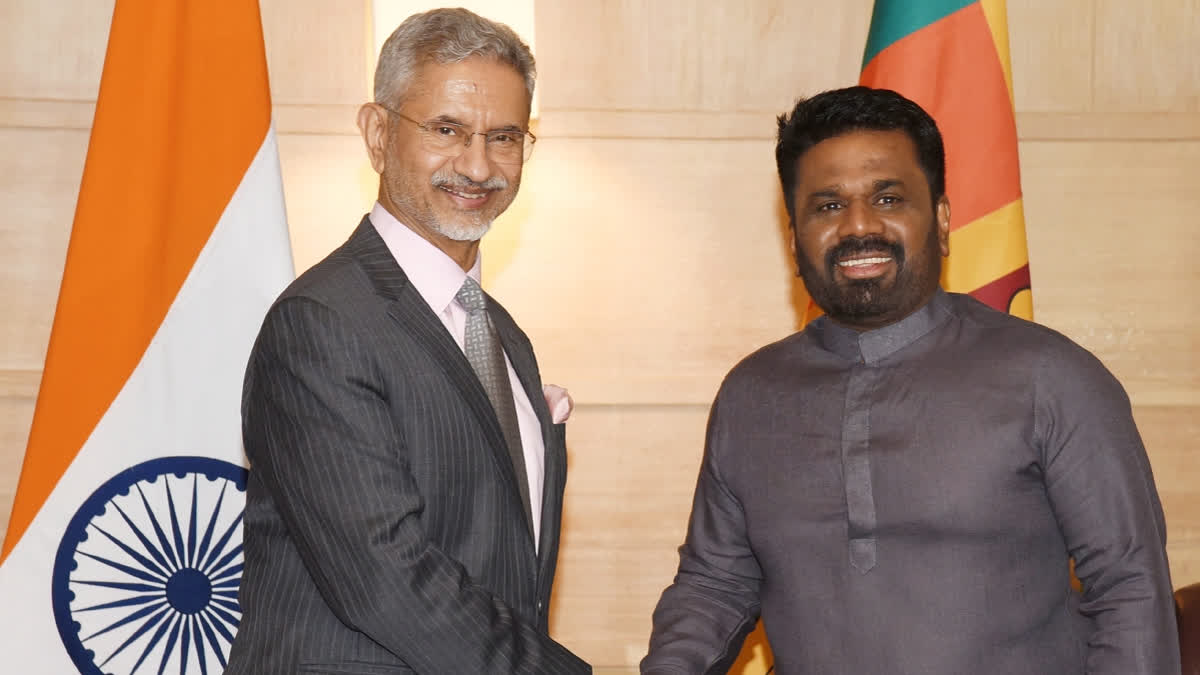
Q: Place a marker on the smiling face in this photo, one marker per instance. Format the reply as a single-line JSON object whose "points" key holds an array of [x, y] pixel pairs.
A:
{"points": [[868, 239], [450, 201]]}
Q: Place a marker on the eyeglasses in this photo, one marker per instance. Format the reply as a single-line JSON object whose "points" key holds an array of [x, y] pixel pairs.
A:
{"points": [[503, 146]]}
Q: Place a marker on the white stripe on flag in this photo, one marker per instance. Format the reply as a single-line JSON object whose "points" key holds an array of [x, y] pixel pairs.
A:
{"points": [[182, 399]]}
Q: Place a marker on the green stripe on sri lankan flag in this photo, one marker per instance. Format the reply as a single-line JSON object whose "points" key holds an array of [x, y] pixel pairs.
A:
{"points": [[893, 20], [943, 54]]}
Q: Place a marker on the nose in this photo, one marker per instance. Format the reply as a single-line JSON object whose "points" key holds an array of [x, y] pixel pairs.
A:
{"points": [[473, 162], [858, 220]]}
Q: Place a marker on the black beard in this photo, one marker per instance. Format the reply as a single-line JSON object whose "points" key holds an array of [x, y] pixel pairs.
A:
{"points": [[866, 302]]}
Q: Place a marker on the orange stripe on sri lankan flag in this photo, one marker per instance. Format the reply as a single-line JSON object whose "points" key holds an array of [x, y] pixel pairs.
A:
{"points": [[156, 180], [950, 68], [991, 261], [951, 57]]}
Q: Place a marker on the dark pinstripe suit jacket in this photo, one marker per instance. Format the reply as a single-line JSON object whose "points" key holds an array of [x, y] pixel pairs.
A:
{"points": [[384, 531]]}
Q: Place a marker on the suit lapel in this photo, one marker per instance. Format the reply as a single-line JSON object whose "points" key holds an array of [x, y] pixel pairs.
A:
{"points": [[520, 353], [410, 310]]}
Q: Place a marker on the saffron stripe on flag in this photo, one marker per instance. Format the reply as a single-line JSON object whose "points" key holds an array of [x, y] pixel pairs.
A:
{"points": [[130, 502], [181, 113]]}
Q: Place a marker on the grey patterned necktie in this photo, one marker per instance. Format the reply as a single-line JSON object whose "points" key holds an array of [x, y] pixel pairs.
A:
{"points": [[486, 355]]}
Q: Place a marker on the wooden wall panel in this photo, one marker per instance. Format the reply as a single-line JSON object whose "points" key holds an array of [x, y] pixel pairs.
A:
{"points": [[39, 198], [644, 269], [632, 471], [1170, 434], [622, 38], [16, 415], [684, 55], [328, 186], [53, 50], [1051, 52], [41, 170], [1110, 254], [317, 51], [1145, 59], [762, 56]]}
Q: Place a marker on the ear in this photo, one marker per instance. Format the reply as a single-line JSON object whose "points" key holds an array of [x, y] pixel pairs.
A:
{"points": [[373, 125], [793, 246], [943, 224]]}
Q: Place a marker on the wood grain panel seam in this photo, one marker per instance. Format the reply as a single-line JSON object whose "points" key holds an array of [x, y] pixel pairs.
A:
{"points": [[337, 119], [759, 125], [20, 383]]}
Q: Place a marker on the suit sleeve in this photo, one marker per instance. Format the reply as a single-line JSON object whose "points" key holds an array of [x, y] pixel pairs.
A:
{"points": [[703, 617], [321, 437], [1102, 491]]}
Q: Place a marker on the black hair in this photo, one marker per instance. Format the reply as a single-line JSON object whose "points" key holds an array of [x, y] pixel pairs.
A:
{"points": [[839, 111]]}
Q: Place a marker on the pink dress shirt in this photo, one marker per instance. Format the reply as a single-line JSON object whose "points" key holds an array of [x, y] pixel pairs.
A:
{"points": [[437, 278]]}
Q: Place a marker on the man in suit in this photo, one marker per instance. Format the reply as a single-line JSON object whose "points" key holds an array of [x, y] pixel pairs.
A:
{"points": [[405, 492]]}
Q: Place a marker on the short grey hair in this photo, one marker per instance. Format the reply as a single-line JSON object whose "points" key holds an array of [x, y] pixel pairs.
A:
{"points": [[445, 36]]}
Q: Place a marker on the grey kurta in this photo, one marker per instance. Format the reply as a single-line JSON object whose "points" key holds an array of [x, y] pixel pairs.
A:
{"points": [[904, 501]]}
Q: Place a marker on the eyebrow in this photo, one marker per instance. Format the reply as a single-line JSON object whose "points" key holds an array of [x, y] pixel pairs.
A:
{"points": [[834, 191], [826, 193], [450, 119]]}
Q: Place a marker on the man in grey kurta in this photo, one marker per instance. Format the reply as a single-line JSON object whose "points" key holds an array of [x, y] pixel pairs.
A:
{"points": [[899, 487]]}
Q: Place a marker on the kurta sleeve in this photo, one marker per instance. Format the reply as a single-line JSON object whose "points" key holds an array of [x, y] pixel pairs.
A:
{"points": [[704, 616], [1101, 489]]}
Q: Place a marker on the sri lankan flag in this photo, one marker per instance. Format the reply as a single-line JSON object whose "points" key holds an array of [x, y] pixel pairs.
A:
{"points": [[951, 57]]}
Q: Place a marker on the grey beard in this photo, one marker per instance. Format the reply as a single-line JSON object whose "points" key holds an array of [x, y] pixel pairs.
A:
{"points": [[463, 231]]}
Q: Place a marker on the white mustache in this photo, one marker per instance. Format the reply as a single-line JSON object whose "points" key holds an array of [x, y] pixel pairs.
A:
{"points": [[461, 183]]}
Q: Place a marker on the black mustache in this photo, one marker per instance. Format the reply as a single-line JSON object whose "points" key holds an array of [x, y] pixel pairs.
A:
{"points": [[858, 245]]}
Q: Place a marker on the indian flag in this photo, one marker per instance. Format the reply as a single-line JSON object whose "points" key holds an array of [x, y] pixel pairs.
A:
{"points": [[951, 57], [123, 553]]}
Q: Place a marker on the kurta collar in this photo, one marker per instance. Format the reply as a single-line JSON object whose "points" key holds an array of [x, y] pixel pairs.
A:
{"points": [[874, 345]]}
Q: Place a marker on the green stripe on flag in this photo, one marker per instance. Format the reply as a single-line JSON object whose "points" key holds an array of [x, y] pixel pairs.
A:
{"points": [[895, 19]]}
